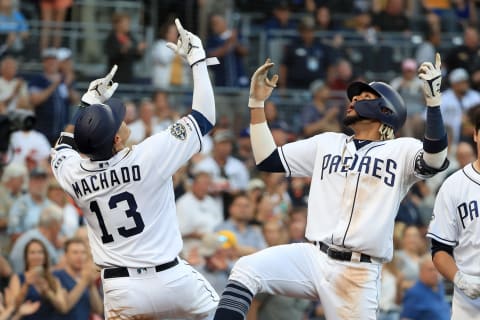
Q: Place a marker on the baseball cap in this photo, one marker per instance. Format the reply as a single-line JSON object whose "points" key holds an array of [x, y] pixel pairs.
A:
{"points": [[245, 133], [223, 135], [255, 184], [64, 54], [409, 64], [231, 239], [316, 85], [306, 23], [38, 172], [49, 53], [458, 75]]}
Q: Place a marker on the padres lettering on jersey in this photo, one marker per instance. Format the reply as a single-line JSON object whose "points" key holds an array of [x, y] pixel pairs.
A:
{"points": [[378, 168], [128, 201], [353, 191]]}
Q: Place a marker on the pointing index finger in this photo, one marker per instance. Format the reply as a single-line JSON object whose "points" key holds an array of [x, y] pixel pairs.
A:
{"points": [[110, 75], [180, 29], [438, 61]]}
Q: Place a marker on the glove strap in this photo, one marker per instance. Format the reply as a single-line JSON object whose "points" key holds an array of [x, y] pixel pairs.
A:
{"points": [[210, 61]]}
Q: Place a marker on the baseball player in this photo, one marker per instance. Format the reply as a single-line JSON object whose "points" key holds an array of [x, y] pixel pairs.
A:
{"points": [[357, 184], [455, 234], [127, 198]]}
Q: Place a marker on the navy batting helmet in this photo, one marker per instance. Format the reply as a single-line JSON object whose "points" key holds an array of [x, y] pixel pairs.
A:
{"points": [[96, 126], [389, 108]]}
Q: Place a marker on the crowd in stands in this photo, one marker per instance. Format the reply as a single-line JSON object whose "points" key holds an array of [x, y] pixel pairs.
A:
{"points": [[226, 207]]}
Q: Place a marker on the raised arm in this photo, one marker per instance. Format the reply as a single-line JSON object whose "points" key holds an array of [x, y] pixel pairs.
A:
{"points": [[435, 142], [190, 47], [264, 148]]}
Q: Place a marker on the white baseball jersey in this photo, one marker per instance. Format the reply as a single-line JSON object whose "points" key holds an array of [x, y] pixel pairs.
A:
{"points": [[354, 194], [128, 200], [456, 222]]}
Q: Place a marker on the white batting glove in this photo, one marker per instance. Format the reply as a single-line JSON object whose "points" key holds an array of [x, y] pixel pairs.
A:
{"points": [[470, 285], [260, 86], [101, 89], [432, 80], [188, 45]]}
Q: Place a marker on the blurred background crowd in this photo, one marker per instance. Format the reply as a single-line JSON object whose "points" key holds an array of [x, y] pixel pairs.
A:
{"points": [[51, 49]]}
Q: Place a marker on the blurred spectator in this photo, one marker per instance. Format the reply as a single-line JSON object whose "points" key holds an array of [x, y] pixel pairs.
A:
{"points": [[13, 89], [71, 219], [467, 55], [164, 115], [78, 278], [276, 191], [226, 44], [391, 292], [457, 100], [50, 97], [54, 13], [408, 257], [130, 112], [263, 210], [410, 88], [67, 71], [229, 174], [255, 190], [47, 232], [305, 59], [122, 48], [298, 189], [29, 144], [244, 150], [14, 176], [465, 13], [143, 127], [392, 17], [275, 232], [324, 22], [430, 45], [35, 282], [320, 115], [9, 310], [169, 68], [278, 28], [13, 28], [342, 75], [273, 117], [249, 237], [426, 299], [216, 265], [197, 212], [281, 18], [297, 224], [26, 210]]}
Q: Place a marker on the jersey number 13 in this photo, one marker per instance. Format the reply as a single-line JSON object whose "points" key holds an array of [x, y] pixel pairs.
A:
{"points": [[131, 212]]}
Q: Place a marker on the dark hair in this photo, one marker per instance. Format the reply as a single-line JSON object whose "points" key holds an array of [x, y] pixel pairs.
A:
{"points": [[46, 263], [71, 241]]}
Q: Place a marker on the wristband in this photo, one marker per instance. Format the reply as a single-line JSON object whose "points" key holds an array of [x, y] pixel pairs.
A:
{"points": [[255, 104]]}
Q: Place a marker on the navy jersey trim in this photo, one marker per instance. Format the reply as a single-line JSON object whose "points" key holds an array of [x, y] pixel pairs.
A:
{"points": [[440, 239], [195, 124], [272, 163], [286, 162], [107, 167], [203, 124], [470, 178]]}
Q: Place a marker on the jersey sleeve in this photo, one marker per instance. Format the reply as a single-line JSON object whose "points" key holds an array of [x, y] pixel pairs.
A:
{"points": [[63, 158], [443, 226], [298, 158], [173, 147]]}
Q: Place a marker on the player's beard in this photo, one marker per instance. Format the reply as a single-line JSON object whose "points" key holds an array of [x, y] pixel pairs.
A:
{"points": [[349, 120]]}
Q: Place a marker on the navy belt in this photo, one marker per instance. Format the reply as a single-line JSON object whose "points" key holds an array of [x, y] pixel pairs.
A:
{"points": [[123, 271], [341, 255]]}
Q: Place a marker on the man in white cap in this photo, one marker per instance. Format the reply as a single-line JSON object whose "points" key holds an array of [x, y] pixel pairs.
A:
{"points": [[457, 100]]}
